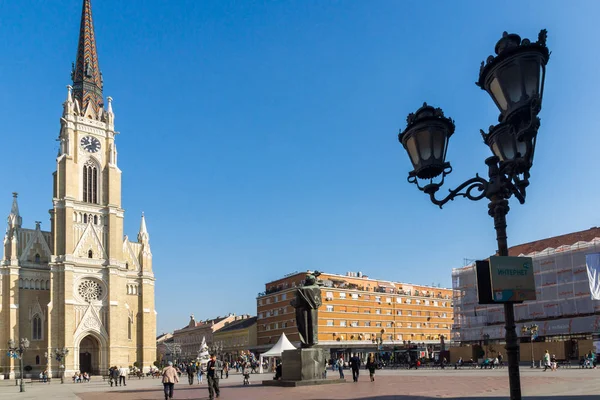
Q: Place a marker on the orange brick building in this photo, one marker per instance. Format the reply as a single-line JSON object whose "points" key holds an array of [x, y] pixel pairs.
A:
{"points": [[357, 311]]}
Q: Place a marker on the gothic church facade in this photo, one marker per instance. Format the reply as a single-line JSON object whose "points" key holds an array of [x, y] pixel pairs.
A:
{"points": [[82, 285]]}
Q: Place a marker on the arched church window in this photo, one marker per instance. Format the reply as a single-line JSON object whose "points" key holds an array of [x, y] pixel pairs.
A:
{"points": [[126, 265], [85, 218], [37, 360], [129, 327], [36, 333], [37, 284], [95, 220], [90, 254], [20, 283], [90, 182], [37, 259], [47, 285]]}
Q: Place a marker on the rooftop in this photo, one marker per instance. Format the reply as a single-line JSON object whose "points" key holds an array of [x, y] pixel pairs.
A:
{"points": [[239, 324], [555, 242]]}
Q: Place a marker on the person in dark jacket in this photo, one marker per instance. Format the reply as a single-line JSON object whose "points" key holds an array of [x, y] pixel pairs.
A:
{"points": [[355, 365], [212, 377], [191, 371], [371, 365]]}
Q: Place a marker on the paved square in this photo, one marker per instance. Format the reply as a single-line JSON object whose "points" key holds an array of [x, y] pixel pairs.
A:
{"points": [[565, 384]]}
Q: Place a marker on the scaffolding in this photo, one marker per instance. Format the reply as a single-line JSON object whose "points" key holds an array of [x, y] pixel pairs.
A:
{"points": [[563, 306]]}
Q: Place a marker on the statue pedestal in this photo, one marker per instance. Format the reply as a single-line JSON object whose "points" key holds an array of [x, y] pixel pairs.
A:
{"points": [[303, 367]]}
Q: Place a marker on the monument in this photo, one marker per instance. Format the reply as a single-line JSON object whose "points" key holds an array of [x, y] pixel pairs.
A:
{"points": [[305, 366], [203, 355]]}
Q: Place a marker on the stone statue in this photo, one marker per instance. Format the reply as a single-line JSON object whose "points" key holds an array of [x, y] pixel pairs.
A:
{"points": [[307, 302]]}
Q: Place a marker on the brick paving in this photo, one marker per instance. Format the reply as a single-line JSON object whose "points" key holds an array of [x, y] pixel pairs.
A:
{"points": [[571, 384]]}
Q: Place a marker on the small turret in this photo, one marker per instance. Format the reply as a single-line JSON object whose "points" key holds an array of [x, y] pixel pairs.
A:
{"points": [[143, 236], [14, 219]]}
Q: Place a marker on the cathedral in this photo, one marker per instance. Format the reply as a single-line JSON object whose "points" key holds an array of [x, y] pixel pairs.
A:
{"points": [[82, 285]]}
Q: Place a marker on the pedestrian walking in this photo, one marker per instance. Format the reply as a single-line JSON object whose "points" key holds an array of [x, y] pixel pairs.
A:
{"points": [[546, 360], [170, 378], [212, 377], [371, 365], [191, 372], [340, 365], [122, 375], [355, 365], [199, 372]]}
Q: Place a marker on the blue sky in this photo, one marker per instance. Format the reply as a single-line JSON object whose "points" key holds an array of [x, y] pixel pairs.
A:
{"points": [[260, 137]]}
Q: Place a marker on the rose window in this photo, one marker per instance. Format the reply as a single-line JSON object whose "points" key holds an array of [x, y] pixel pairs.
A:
{"points": [[90, 290]]}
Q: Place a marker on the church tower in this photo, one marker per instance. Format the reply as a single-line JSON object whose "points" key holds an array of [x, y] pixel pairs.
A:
{"points": [[83, 285]]}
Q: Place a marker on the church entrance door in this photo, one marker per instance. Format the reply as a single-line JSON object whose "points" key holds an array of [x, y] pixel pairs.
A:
{"points": [[89, 355]]}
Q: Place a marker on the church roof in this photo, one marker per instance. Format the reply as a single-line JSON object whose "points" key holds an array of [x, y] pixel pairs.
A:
{"points": [[86, 75]]}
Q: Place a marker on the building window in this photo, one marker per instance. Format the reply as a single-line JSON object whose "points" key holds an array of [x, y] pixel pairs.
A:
{"points": [[276, 325], [36, 333], [329, 295], [329, 308], [408, 301], [409, 324], [283, 296], [435, 303], [37, 259], [355, 295], [342, 323], [129, 327], [388, 325], [418, 325], [378, 324], [260, 302], [367, 311], [399, 300], [398, 337], [90, 183], [90, 254], [388, 300], [329, 322], [378, 298], [409, 312], [342, 295], [399, 312], [367, 323], [418, 301], [260, 316], [426, 302], [388, 312], [354, 323], [377, 311], [37, 360]]}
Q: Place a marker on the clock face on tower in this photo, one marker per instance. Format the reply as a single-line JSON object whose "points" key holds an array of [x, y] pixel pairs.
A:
{"points": [[90, 144]]}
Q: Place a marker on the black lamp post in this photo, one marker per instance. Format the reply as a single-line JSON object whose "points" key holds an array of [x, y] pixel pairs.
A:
{"points": [[514, 78], [61, 355], [15, 351], [532, 330]]}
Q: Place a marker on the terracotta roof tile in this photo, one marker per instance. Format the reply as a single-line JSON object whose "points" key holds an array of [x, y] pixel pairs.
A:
{"points": [[555, 242]]}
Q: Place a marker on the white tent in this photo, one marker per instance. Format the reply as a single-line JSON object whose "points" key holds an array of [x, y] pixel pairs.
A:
{"points": [[282, 344]]}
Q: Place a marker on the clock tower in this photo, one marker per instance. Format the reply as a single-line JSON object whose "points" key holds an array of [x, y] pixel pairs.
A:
{"points": [[82, 286], [102, 284]]}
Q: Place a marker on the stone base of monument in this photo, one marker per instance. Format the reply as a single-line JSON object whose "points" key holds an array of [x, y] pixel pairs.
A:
{"points": [[303, 367]]}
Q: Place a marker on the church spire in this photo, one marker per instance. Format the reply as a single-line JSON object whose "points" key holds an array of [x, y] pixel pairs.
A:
{"points": [[86, 75], [14, 219], [143, 236]]}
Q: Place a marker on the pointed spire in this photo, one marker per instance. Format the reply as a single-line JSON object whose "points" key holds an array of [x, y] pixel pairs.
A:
{"points": [[143, 236], [87, 80], [14, 219]]}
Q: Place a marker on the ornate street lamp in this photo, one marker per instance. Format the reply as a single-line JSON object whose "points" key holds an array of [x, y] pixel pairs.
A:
{"points": [[60, 355], [532, 331], [15, 351], [514, 78]]}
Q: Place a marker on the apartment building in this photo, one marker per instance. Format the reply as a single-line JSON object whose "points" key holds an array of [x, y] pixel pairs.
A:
{"points": [[358, 312]]}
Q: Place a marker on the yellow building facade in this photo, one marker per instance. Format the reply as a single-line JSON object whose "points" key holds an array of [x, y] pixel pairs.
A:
{"points": [[82, 285], [359, 312]]}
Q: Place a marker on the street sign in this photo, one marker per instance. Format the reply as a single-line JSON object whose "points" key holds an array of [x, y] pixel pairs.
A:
{"points": [[512, 279]]}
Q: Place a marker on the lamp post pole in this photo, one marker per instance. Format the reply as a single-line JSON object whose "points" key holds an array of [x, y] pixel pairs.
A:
{"points": [[15, 351], [61, 355], [532, 331], [514, 79]]}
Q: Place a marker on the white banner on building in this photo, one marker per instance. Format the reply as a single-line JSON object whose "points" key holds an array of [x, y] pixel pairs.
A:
{"points": [[592, 262]]}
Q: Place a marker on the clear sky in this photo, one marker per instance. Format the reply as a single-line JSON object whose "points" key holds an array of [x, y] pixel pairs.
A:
{"points": [[260, 137]]}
